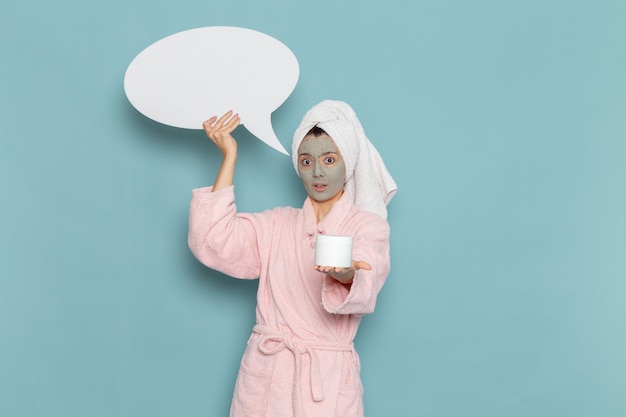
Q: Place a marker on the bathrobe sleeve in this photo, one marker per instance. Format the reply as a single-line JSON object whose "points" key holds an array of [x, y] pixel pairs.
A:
{"points": [[219, 237], [370, 244]]}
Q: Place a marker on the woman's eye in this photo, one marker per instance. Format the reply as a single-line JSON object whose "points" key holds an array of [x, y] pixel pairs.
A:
{"points": [[329, 160], [306, 162]]}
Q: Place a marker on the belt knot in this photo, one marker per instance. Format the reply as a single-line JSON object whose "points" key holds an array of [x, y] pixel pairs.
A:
{"points": [[273, 341]]}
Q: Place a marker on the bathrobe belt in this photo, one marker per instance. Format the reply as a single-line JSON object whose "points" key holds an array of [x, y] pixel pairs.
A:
{"points": [[273, 341]]}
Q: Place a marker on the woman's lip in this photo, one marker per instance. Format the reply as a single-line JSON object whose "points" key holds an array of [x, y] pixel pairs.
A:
{"points": [[319, 187]]}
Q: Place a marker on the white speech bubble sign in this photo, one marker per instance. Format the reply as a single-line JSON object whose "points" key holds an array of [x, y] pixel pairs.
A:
{"points": [[185, 78]]}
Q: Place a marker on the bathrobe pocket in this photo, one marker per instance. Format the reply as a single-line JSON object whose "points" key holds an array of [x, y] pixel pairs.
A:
{"points": [[254, 384], [350, 395], [350, 401], [251, 393]]}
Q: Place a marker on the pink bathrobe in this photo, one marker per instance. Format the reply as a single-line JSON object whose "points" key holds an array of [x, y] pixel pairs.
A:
{"points": [[300, 359]]}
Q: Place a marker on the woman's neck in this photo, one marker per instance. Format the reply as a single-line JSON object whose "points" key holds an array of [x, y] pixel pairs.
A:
{"points": [[322, 208]]}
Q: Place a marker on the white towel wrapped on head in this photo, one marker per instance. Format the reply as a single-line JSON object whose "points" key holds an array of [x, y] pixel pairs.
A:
{"points": [[367, 178]]}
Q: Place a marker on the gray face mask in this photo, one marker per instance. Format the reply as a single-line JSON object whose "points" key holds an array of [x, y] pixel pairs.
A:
{"points": [[321, 167]]}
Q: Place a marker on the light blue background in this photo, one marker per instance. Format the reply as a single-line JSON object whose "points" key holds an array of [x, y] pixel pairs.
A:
{"points": [[503, 123]]}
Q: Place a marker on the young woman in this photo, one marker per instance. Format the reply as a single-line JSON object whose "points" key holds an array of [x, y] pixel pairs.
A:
{"points": [[300, 359]]}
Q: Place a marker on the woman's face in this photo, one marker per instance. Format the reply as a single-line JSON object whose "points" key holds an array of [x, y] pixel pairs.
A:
{"points": [[321, 167]]}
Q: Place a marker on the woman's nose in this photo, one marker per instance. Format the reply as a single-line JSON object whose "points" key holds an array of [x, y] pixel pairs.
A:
{"points": [[317, 170]]}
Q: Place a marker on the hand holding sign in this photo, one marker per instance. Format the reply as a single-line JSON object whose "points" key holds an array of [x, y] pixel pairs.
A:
{"points": [[187, 77]]}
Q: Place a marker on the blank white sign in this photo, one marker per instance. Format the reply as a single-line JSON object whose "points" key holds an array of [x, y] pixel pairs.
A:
{"points": [[184, 79]]}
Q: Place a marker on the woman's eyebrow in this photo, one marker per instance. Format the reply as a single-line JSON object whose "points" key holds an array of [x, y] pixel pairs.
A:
{"points": [[322, 154]]}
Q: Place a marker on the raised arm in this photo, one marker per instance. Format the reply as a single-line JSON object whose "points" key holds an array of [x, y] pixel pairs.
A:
{"points": [[220, 132]]}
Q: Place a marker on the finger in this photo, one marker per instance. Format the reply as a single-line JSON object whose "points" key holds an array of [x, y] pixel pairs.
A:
{"points": [[322, 268], [210, 121], [208, 124], [361, 265], [211, 127], [222, 120], [232, 123]]}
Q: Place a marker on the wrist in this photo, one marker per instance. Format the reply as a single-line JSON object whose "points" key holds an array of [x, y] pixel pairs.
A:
{"points": [[230, 154]]}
